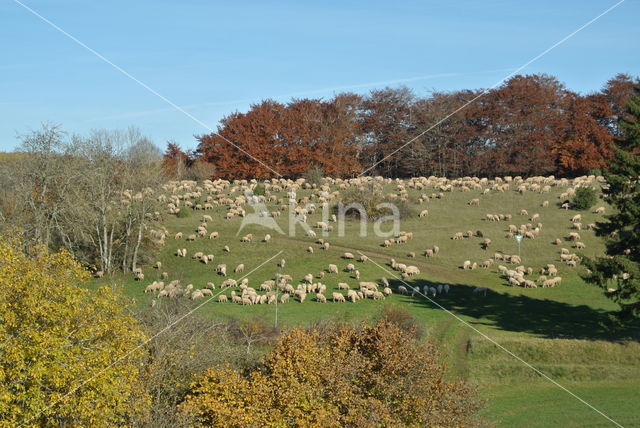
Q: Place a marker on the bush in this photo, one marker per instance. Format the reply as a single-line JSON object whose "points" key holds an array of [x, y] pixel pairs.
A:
{"points": [[370, 197], [342, 376], [314, 175], [585, 198], [183, 213], [259, 189]]}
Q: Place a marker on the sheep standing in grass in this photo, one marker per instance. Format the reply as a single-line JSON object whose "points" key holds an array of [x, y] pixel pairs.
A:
{"points": [[222, 269], [338, 297], [321, 298], [333, 268], [480, 290]]}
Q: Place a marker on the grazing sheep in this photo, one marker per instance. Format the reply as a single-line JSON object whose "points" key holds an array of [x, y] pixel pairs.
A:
{"points": [[267, 238], [321, 298], [222, 298], [325, 246], [435, 249], [177, 235], [599, 210], [403, 290], [350, 267], [213, 235], [580, 245], [466, 264], [333, 268], [338, 297], [191, 237], [309, 278], [486, 264], [363, 258], [445, 288], [310, 250], [475, 202], [239, 268], [222, 269], [197, 295], [576, 218], [284, 298], [226, 249], [424, 213], [164, 275], [480, 290]]}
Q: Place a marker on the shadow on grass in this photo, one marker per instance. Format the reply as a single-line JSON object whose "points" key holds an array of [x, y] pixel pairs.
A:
{"points": [[541, 317]]}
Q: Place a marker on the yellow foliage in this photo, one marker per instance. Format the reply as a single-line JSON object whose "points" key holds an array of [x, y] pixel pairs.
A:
{"points": [[57, 335], [360, 377]]}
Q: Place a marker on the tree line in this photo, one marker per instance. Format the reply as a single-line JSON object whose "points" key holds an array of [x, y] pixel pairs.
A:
{"points": [[530, 125], [92, 195]]}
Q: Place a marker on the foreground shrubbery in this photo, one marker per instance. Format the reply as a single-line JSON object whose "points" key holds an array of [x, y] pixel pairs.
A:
{"points": [[336, 376], [55, 335]]}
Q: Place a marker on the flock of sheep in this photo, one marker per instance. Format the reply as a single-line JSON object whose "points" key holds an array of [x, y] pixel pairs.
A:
{"points": [[234, 196]]}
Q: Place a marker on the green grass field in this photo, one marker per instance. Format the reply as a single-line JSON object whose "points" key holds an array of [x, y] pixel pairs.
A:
{"points": [[557, 330]]}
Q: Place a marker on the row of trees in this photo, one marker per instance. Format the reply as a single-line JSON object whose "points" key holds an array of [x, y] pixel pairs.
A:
{"points": [[529, 125], [92, 195]]}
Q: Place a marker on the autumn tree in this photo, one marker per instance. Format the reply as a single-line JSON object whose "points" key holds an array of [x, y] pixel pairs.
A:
{"points": [[619, 272], [588, 142], [285, 139], [378, 375], [59, 345]]}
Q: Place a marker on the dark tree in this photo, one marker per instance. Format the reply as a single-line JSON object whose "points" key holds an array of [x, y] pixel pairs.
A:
{"points": [[621, 265]]}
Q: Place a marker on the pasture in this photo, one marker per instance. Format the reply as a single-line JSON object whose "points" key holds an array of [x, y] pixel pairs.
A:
{"points": [[559, 330]]}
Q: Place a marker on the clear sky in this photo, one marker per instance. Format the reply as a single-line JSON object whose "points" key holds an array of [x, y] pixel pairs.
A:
{"points": [[213, 58]]}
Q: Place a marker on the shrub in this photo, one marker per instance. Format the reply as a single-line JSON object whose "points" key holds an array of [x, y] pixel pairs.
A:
{"points": [[376, 375], [314, 175], [183, 213], [259, 189], [370, 196], [585, 198]]}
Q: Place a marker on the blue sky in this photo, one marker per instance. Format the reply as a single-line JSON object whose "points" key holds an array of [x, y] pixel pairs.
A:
{"points": [[214, 58]]}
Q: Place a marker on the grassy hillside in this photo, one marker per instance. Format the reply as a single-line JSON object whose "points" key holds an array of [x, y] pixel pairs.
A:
{"points": [[558, 330]]}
